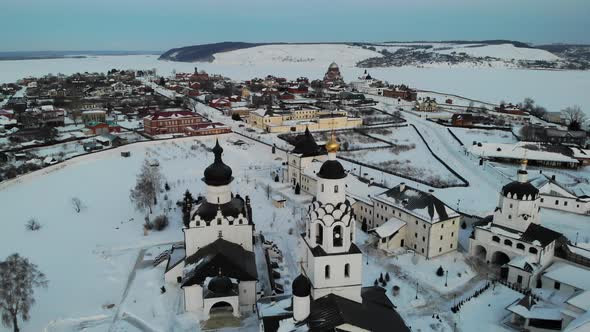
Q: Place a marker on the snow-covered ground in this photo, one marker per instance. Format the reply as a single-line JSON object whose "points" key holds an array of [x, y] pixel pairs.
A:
{"points": [[315, 54], [468, 136], [554, 90], [88, 257], [503, 51]]}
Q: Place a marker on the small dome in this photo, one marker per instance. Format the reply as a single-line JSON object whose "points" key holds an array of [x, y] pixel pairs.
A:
{"points": [[220, 284], [520, 189], [218, 173], [301, 286], [332, 145], [332, 169]]}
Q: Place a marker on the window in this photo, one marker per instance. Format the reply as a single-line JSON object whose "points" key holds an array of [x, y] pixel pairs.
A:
{"points": [[451, 246], [542, 200], [416, 235], [496, 239], [557, 285], [442, 225], [509, 216], [383, 240], [439, 249], [423, 239], [347, 270], [533, 250], [511, 205], [508, 242], [322, 187], [520, 246], [556, 202], [453, 222], [337, 236], [335, 189], [564, 203], [519, 279], [319, 234], [219, 234], [416, 222], [422, 250], [327, 272], [441, 237], [452, 234], [218, 221]]}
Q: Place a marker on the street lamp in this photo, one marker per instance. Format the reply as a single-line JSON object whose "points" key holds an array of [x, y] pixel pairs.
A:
{"points": [[446, 278], [416, 290]]}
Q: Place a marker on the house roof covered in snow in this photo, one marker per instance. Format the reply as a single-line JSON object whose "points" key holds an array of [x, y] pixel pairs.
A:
{"points": [[232, 259], [569, 274], [519, 151], [527, 307], [389, 228], [376, 312], [580, 300], [172, 114], [418, 203]]}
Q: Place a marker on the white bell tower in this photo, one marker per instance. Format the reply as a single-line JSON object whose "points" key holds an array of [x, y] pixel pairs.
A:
{"points": [[333, 261]]}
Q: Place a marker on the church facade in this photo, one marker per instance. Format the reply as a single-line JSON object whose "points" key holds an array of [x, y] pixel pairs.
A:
{"points": [[216, 266]]}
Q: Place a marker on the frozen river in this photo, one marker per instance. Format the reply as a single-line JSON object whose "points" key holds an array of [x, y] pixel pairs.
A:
{"points": [[553, 89]]}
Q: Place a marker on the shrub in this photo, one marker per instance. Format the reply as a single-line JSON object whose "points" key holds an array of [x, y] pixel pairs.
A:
{"points": [[440, 272], [160, 222], [33, 225], [387, 276]]}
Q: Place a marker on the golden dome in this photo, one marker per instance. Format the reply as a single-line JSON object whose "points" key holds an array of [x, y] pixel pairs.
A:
{"points": [[332, 145]]}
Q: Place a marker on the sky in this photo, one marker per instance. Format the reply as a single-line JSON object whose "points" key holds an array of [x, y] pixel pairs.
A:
{"points": [[158, 25]]}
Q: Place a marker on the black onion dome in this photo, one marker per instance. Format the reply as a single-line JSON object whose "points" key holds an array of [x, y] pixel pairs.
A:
{"points": [[521, 189], [220, 284], [218, 173], [332, 169], [306, 145], [301, 286]]}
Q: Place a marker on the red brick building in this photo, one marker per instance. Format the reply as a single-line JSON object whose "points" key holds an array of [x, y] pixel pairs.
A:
{"points": [[99, 128], [170, 122]]}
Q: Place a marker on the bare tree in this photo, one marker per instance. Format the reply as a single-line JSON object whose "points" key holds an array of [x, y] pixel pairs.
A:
{"points": [[575, 117], [147, 188], [18, 278], [77, 204]]}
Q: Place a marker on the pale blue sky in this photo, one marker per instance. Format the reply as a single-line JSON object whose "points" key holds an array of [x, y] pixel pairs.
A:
{"points": [[162, 24]]}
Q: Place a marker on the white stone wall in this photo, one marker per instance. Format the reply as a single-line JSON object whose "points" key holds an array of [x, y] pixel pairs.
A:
{"points": [[444, 236], [336, 281], [218, 194], [395, 241], [512, 211], [363, 211], [196, 237], [247, 296], [193, 298], [172, 275], [565, 204], [331, 191], [232, 300]]}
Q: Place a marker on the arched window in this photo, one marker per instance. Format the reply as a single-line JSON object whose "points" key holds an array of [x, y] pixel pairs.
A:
{"points": [[520, 246], [337, 236], [322, 187], [495, 239], [533, 250], [347, 270], [508, 242], [319, 234], [327, 271], [335, 189]]}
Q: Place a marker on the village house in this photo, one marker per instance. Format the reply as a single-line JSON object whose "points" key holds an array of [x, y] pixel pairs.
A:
{"points": [[426, 105], [170, 121], [558, 197]]}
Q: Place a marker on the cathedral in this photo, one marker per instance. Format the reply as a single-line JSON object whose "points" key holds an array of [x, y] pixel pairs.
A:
{"points": [[328, 294], [333, 77], [216, 266], [513, 238]]}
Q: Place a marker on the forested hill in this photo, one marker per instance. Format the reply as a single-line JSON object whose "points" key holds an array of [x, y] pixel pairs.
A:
{"points": [[204, 52]]}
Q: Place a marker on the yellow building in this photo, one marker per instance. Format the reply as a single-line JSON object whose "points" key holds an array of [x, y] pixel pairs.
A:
{"points": [[298, 120]]}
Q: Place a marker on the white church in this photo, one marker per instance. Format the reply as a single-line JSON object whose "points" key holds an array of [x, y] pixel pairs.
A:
{"points": [[328, 294], [216, 266]]}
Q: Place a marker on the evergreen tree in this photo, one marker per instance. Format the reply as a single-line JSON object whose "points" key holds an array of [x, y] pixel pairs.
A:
{"points": [[187, 206]]}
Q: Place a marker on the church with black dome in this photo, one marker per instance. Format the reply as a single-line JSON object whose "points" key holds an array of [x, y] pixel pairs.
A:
{"points": [[216, 265], [512, 238]]}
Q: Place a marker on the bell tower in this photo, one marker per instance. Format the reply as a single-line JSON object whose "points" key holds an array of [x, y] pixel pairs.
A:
{"points": [[333, 260]]}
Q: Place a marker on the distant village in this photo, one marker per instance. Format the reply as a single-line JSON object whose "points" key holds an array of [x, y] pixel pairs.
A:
{"points": [[331, 132]]}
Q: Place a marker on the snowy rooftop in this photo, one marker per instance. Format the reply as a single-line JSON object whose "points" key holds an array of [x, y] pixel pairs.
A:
{"points": [[536, 310], [389, 228], [418, 203], [569, 274], [517, 151], [581, 300]]}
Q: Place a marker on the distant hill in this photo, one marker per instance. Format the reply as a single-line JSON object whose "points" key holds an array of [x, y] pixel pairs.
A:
{"points": [[204, 52], [35, 55]]}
